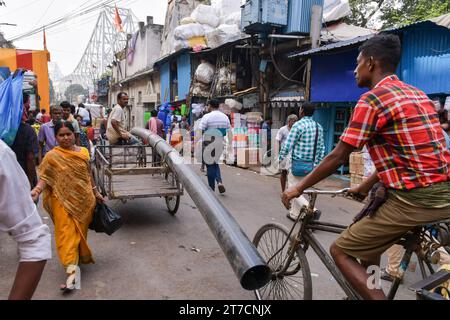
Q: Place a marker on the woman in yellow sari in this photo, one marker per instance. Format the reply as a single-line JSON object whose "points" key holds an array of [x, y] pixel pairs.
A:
{"points": [[69, 196]]}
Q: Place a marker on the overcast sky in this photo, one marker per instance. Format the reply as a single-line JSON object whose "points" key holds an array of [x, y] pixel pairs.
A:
{"points": [[66, 42]]}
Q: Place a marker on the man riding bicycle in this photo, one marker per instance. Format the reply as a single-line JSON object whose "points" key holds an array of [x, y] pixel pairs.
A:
{"points": [[400, 127]]}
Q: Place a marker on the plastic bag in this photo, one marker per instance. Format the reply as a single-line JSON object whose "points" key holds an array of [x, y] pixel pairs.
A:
{"points": [[205, 73], [233, 104], [187, 31], [180, 44], [187, 20], [226, 7], [206, 15], [11, 107], [223, 34], [232, 19], [105, 220]]}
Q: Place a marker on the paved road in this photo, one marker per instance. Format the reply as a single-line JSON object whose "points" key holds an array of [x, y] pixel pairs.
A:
{"points": [[157, 256]]}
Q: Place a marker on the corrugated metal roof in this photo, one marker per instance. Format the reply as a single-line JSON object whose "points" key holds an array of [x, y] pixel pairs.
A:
{"points": [[332, 46], [426, 59], [441, 21]]}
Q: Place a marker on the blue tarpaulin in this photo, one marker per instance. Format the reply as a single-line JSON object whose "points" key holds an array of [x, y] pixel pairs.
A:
{"points": [[11, 107]]}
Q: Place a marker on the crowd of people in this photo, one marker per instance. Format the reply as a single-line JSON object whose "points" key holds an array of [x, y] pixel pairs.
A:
{"points": [[403, 132]]}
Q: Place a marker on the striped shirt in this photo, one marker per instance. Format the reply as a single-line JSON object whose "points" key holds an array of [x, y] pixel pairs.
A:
{"points": [[215, 120], [401, 128], [301, 141]]}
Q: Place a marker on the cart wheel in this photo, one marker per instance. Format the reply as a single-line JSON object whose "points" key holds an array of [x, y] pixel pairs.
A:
{"points": [[173, 203]]}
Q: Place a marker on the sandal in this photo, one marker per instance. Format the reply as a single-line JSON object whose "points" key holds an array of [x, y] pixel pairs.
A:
{"points": [[69, 286]]}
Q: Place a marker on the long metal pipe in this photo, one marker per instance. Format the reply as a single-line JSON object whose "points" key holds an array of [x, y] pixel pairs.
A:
{"points": [[248, 265]]}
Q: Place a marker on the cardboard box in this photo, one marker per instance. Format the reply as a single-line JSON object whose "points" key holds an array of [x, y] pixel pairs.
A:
{"points": [[242, 161], [356, 179], [248, 157]]}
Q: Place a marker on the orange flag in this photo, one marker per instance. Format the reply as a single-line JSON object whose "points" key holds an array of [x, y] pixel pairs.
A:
{"points": [[118, 21]]}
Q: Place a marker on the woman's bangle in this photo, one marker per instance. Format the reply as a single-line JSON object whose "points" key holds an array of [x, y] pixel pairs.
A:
{"points": [[38, 189]]}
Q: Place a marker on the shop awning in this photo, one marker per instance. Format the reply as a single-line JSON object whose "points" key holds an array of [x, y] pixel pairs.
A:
{"points": [[291, 99]]}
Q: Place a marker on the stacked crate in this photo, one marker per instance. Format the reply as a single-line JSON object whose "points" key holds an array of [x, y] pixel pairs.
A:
{"points": [[361, 167]]}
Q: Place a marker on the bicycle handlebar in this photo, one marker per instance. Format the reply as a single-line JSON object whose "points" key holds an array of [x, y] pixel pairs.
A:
{"points": [[330, 192]]}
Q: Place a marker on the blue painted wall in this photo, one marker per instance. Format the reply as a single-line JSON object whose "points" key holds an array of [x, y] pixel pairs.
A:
{"points": [[165, 82], [332, 78], [184, 75], [426, 58]]}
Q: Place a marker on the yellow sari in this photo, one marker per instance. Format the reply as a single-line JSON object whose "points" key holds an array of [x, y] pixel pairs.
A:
{"points": [[70, 201]]}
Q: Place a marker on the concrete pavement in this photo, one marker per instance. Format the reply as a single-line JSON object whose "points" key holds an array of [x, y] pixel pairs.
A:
{"points": [[157, 256]]}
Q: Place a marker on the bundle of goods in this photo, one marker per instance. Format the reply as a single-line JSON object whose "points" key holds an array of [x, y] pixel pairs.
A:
{"points": [[223, 34], [189, 35], [233, 104], [220, 21], [226, 7], [204, 75], [361, 167], [204, 14], [254, 117], [201, 89]]}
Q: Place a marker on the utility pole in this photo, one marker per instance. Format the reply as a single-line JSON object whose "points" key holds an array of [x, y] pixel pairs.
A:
{"points": [[316, 25]]}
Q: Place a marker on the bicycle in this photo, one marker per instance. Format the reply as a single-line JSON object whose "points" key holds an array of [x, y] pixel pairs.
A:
{"points": [[285, 253]]}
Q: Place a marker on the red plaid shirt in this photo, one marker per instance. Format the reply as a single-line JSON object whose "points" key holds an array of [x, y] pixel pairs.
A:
{"points": [[401, 128]]}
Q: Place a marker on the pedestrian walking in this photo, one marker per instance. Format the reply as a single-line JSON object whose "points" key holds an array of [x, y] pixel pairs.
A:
{"points": [[282, 136], [69, 196], [305, 142], [19, 217], [214, 126], [67, 115], [46, 136], [26, 148]]}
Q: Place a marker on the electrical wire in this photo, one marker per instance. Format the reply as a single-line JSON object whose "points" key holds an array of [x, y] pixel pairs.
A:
{"points": [[63, 19], [42, 17], [277, 68]]}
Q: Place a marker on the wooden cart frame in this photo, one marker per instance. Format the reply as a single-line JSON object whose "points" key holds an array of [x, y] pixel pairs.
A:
{"points": [[127, 172]]}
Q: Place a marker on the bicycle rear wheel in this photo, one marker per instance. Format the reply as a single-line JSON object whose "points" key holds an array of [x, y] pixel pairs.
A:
{"points": [[295, 283]]}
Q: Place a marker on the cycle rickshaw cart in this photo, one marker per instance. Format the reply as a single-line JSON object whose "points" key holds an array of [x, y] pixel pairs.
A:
{"points": [[127, 172]]}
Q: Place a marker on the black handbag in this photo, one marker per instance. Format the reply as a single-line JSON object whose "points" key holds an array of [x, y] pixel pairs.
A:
{"points": [[105, 220]]}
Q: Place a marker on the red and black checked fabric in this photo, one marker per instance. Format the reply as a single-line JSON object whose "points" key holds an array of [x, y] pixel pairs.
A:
{"points": [[401, 128]]}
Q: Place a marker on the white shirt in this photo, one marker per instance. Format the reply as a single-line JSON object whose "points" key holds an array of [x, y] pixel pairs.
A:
{"points": [[215, 120], [282, 135], [96, 111], [84, 113], [118, 115], [18, 213]]}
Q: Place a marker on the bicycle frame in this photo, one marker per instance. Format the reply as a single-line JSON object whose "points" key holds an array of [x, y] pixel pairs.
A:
{"points": [[305, 236]]}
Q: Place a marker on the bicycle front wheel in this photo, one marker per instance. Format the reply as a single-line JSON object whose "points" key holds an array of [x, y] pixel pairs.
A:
{"points": [[295, 282]]}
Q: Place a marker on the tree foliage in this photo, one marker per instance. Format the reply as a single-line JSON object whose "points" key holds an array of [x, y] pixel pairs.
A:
{"points": [[75, 90], [394, 13]]}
